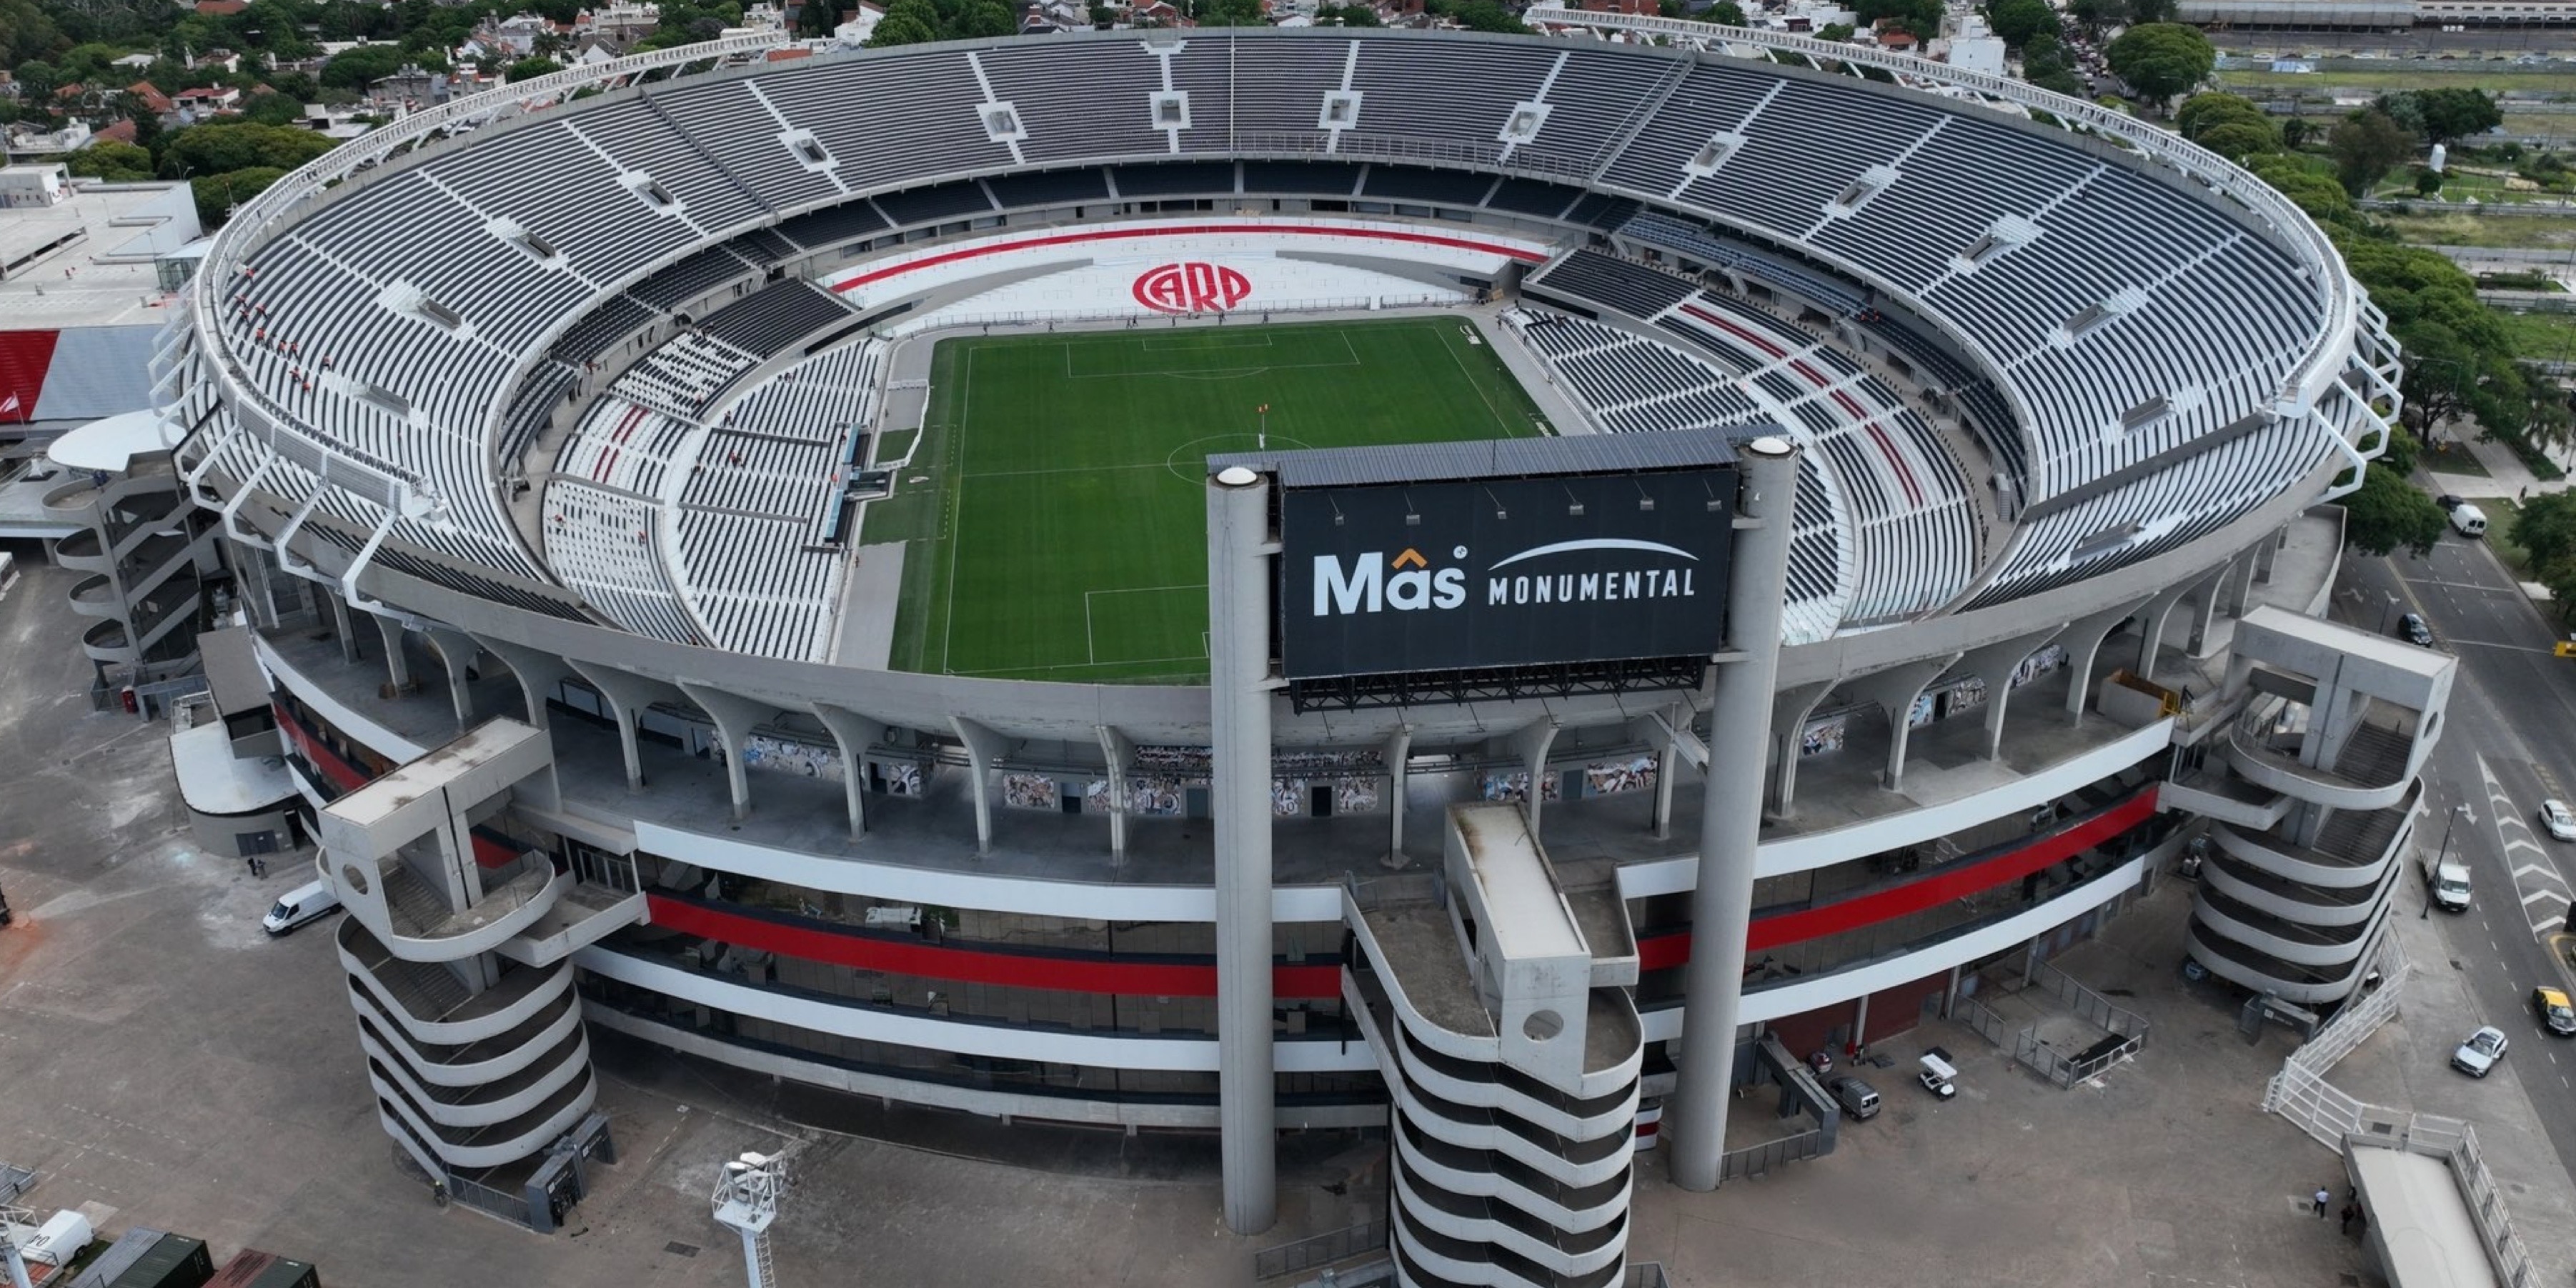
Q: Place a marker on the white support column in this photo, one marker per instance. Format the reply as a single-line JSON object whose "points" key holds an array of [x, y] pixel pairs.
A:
{"points": [[735, 717], [346, 629], [1118, 752], [852, 733], [1740, 692], [1995, 664], [1894, 691], [537, 671], [1239, 698], [2152, 621], [628, 696], [1790, 712], [2083, 645], [984, 750], [397, 666], [456, 654], [1399, 746]]}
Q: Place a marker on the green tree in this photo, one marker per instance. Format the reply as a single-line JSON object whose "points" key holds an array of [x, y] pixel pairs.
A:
{"points": [[2427, 182], [1478, 15], [1352, 15], [2238, 140], [2548, 529], [2161, 59], [363, 66], [232, 146], [2451, 114], [1921, 18], [268, 107], [2366, 146], [1725, 13], [527, 69], [218, 194], [1836, 32], [814, 19], [2044, 63], [2387, 513], [113, 161], [2202, 113], [2017, 21], [900, 29]]}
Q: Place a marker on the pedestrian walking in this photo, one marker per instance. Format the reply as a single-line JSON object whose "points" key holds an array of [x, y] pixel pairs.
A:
{"points": [[2320, 1198], [2349, 1212]]}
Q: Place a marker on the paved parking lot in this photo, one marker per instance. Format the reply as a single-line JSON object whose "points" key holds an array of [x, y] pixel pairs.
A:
{"points": [[168, 1065]]}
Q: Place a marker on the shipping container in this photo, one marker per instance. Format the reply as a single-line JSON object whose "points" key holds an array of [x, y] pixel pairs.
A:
{"points": [[257, 1269], [150, 1259]]}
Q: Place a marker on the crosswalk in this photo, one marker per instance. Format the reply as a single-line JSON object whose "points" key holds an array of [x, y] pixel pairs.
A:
{"points": [[2542, 890]]}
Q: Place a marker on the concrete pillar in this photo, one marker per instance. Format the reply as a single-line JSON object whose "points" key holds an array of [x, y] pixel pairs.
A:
{"points": [[628, 696], [1995, 664], [1789, 715], [1895, 691], [1399, 745], [2083, 639], [852, 733], [984, 750], [2240, 586], [1667, 768], [1731, 813], [344, 628], [1239, 697], [397, 666], [2263, 554], [1118, 751], [538, 673], [2152, 621], [735, 717], [456, 654], [1531, 744], [2204, 610]]}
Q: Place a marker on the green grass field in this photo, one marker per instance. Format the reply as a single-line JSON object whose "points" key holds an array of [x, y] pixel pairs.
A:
{"points": [[1056, 508]]}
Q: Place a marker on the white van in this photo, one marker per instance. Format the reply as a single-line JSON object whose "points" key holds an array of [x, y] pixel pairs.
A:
{"points": [[2469, 520], [302, 904]]}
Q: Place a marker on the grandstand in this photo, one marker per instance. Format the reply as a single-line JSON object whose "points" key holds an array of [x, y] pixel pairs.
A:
{"points": [[628, 398]]}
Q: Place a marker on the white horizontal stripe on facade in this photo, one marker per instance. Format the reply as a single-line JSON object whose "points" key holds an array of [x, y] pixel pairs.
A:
{"points": [[1007, 1041], [1665, 1023], [1033, 895], [1914, 826]]}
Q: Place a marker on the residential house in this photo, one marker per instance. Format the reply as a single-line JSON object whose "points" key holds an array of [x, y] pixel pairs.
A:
{"points": [[857, 24]]}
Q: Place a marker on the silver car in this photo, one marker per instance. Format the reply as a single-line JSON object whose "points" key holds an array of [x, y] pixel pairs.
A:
{"points": [[2558, 820], [2478, 1056]]}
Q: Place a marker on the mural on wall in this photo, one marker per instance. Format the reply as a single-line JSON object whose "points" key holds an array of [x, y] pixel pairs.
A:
{"points": [[1610, 777]]}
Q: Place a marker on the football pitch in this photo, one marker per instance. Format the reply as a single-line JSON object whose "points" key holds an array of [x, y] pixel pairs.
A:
{"points": [[1055, 506]]}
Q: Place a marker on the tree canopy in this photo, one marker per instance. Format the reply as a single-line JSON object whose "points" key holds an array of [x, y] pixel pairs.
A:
{"points": [[2366, 146], [239, 145], [2161, 59], [1920, 18], [2442, 115], [113, 161], [2017, 21], [2388, 513]]}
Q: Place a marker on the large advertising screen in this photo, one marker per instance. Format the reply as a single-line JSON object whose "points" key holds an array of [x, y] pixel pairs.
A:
{"points": [[1469, 575]]}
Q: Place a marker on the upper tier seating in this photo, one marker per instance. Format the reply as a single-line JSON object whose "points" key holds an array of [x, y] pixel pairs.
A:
{"points": [[2137, 321]]}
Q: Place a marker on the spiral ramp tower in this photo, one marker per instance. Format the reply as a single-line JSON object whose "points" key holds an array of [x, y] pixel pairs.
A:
{"points": [[1502, 1024], [2314, 813], [464, 913]]}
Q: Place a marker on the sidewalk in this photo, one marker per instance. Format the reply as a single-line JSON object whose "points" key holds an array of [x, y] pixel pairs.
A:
{"points": [[2506, 477]]}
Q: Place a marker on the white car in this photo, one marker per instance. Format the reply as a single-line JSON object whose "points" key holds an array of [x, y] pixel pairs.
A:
{"points": [[2558, 820], [2477, 1057]]}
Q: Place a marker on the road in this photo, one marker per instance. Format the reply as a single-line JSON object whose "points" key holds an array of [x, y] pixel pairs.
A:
{"points": [[2510, 743]]}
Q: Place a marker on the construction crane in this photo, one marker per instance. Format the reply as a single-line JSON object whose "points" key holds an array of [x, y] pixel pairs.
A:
{"points": [[746, 1202]]}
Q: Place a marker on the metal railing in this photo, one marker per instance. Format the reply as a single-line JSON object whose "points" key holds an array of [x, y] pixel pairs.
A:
{"points": [[2025, 1045], [1319, 1250], [2089, 1006], [1755, 1160], [487, 1199]]}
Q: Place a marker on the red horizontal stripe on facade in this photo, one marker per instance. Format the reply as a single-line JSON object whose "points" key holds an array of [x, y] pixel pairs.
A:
{"points": [[974, 965], [343, 775], [1660, 952], [1124, 234]]}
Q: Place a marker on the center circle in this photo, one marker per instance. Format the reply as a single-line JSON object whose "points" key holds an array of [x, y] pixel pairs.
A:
{"points": [[1188, 462]]}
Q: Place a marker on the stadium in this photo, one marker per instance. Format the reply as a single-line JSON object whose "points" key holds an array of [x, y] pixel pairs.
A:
{"points": [[777, 558]]}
